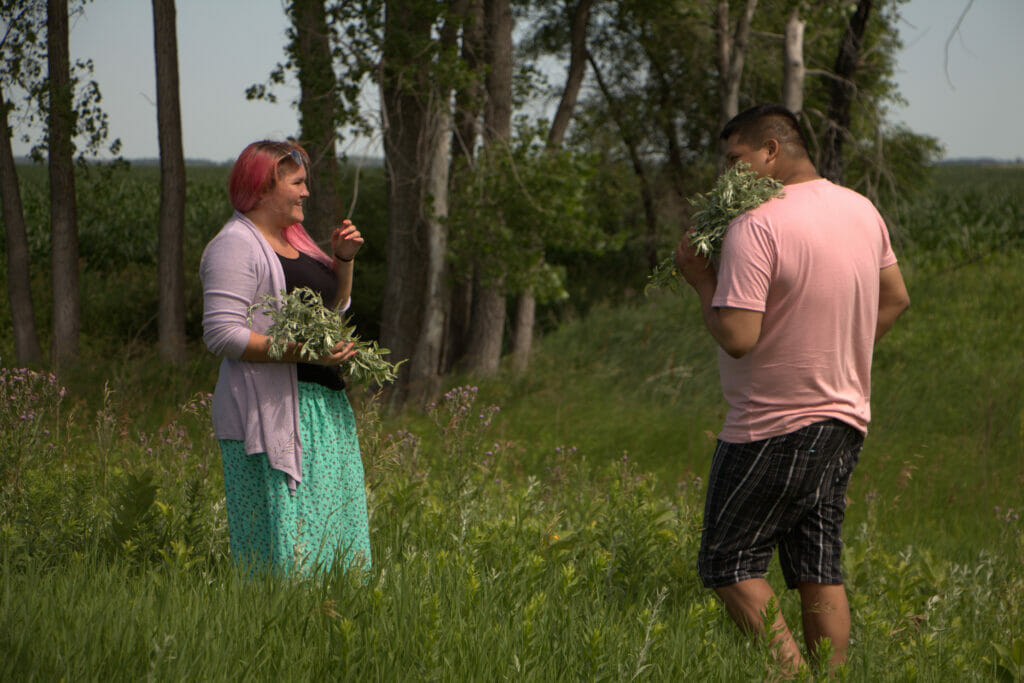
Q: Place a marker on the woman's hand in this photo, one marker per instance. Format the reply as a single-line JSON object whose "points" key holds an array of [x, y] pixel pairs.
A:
{"points": [[346, 241], [338, 355]]}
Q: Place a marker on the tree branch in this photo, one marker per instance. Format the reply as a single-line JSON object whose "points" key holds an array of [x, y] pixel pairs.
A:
{"points": [[949, 39]]}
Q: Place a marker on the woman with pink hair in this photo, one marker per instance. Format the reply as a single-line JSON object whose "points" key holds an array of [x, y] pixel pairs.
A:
{"points": [[293, 474]]}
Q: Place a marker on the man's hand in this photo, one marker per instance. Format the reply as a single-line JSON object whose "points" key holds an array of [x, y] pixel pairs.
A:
{"points": [[694, 268]]}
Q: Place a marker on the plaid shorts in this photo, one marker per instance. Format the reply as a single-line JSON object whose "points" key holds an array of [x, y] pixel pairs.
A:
{"points": [[787, 490]]}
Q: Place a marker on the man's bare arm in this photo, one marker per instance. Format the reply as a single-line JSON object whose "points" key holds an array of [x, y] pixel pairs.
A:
{"points": [[893, 299], [735, 329]]}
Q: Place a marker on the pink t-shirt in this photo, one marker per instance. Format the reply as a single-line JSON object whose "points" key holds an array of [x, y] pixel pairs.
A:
{"points": [[810, 262]]}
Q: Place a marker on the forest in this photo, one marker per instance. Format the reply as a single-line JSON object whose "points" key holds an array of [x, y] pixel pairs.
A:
{"points": [[493, 223]]}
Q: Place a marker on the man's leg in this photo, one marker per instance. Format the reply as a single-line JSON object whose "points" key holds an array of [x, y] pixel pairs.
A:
{"points": [[747, 602], [826, 614]]}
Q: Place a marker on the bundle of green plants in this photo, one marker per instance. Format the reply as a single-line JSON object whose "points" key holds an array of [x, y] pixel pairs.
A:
{"points": [[736, 191], [302, 319]]}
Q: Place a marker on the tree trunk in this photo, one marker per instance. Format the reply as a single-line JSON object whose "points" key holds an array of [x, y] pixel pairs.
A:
{"points": [[732, 49], [416, 145], [666, 119], [487, 319], [403, 120], [793, 64], [574, 78], [843, 90], [469, 99], [171, 272], [498, 108], [488, 311], [460, 313], [63, 209], [427, 359], [468, 107], [526, 303], [318, 117], [632, 147], [19, 288], [424, 373], [522, 330]]}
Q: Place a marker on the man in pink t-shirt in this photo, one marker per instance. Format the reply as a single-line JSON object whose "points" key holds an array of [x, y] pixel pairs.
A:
{"points": [[805, 286]]}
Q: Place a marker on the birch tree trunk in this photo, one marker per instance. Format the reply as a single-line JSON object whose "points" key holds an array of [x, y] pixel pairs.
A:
{"points": [[19, 281], [732, 49], [170, 269], [63, 208], [428, 356], [793, 64], [522, 330], [424, 373], [843, 90]]}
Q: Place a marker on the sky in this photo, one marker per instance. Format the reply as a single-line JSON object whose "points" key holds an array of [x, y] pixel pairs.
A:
{"points": [[968, 96]]}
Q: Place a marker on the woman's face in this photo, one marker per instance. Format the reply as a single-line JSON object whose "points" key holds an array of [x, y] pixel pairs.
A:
{"points": [[284, 201]]}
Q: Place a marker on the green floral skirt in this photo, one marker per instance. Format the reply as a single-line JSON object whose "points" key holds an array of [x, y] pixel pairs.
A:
{"points": [[325, 520]]}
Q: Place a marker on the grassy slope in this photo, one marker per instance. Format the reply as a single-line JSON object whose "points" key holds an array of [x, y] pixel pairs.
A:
{"points": [[945, 444]]}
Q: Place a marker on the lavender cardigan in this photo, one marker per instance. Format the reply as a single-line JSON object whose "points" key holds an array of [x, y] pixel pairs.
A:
{"points": [[257, 403]]}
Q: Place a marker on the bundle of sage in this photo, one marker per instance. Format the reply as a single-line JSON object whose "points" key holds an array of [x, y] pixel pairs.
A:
{"points": [[736, 191], [302, 318]]}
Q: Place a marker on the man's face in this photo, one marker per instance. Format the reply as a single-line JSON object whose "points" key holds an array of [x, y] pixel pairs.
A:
{"points": [[737, 151]]}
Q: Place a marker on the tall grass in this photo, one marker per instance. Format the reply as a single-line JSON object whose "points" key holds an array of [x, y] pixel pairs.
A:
{"points": [[553, 539]]}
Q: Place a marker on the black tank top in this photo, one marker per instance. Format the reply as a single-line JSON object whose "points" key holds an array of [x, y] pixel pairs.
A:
{"points": [[306, 271]]}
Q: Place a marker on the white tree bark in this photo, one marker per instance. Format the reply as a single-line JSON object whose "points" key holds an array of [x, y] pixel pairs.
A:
{"points": [[732, 49], [793, 64], [424, 374]]}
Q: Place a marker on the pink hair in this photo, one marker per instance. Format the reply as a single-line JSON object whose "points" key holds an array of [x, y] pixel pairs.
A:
{"points": [[255, 173]]}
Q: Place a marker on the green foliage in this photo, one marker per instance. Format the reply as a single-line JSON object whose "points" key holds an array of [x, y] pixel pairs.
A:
{"points": [[23, 50], [24, 73], [353, 34], [518, 203], [965, 215], [736, 191], [300, 317]]}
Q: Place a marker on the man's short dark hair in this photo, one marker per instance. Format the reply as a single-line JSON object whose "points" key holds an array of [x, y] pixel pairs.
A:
{"points": [[757, 125]]}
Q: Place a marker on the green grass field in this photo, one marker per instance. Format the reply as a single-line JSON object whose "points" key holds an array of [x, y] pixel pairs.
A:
{"points": [[556, 542]]}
